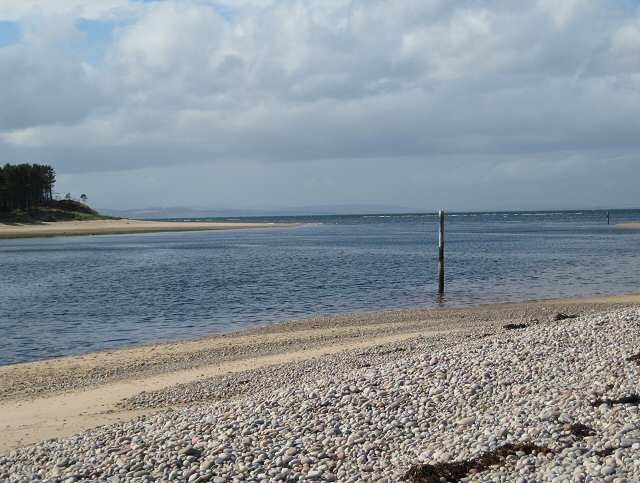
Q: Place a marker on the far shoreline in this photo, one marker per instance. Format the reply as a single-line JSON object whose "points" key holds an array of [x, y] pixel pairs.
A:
{"points": [[629, 226], [121, 227]]}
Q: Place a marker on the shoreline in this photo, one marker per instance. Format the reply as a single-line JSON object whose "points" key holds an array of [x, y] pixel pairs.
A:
{"points": [[332, 320], [629, 226], [62, 396], [120, 227]]}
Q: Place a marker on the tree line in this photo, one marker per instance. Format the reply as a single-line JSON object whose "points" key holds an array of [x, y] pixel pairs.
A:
{"points": [[25, 185]]}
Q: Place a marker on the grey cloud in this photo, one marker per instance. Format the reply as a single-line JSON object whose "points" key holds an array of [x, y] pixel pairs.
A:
{"points": [[41, 87]]}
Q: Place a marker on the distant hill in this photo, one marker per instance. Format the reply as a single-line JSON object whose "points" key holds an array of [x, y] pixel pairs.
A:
{"points": [[52, 210]]}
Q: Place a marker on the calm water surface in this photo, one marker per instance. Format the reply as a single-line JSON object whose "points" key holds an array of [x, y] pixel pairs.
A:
{"points": [[70, 295]]}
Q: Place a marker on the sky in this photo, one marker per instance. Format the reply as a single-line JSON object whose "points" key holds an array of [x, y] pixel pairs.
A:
{"points": [[273, 104]]}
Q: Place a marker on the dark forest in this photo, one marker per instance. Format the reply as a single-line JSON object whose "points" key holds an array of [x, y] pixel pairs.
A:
{"points": [[24, 186]]}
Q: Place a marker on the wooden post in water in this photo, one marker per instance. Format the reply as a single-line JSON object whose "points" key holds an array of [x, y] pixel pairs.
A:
{"points": [[441, 255], [608, 218]]}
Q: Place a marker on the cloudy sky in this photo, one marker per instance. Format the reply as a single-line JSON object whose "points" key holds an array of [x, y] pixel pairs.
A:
{"points": [[283, 103]]}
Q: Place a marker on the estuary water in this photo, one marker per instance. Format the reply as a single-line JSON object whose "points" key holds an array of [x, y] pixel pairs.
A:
{"points": [[62, 296]]}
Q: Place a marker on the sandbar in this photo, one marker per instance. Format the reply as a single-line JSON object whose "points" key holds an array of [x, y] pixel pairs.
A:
{"points": [[118, 227], [629, 226]]}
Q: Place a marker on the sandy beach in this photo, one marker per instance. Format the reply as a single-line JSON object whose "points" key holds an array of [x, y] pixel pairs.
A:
{"points": [[629, 226], [59, 398], [118, 227]]}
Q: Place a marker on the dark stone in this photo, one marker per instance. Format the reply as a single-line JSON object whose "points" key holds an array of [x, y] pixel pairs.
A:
{"points": [[580, 430], [191, 451], [603, 453], [515, 326], [635, 359], [560, 316], [631, 399]]}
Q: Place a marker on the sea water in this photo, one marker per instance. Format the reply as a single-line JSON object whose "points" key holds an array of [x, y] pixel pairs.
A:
{"points": [[69, 295]]}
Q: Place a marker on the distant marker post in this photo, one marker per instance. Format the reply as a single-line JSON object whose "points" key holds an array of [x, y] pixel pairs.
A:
{"points": [[441, 255]]}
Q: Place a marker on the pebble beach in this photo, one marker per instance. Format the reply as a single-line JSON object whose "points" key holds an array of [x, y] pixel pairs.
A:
{"points": [[552, 399]]}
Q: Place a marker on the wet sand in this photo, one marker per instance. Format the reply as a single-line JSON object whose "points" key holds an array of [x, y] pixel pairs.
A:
{"points": [[119, 227], [61, 397]]}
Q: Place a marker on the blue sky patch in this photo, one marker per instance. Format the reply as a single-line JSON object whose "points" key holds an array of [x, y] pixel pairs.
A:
{"points": [[98, 36], [10, 33]]}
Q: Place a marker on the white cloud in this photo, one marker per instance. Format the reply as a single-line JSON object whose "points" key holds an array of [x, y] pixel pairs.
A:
{"points": [[18, 10], [562, 12], [260, 80]]}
